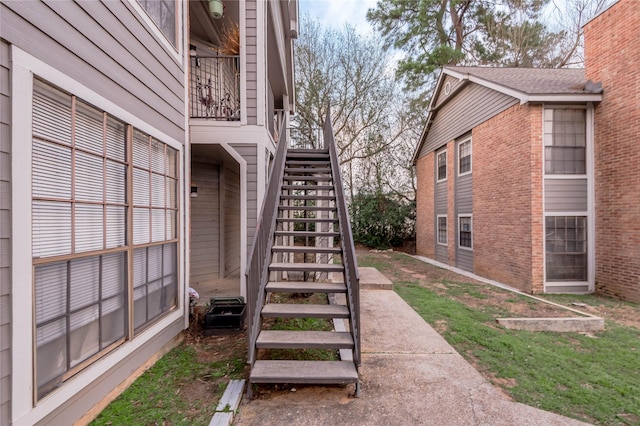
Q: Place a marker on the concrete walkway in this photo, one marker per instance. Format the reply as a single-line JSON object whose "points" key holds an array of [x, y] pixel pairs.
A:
{"points": [[410, 376]]}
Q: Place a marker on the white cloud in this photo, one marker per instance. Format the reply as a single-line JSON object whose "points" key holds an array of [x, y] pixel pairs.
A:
{"points": [[335, 13]]}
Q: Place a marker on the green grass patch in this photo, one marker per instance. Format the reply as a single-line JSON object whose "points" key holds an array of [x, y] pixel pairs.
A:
{"points": [[168, 393], [595, 379]]}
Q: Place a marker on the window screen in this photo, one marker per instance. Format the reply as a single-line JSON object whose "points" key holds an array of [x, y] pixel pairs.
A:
{"points": [[442, 165], [565, 141], [465, 231], [442, 230], [566, 248], [464, 157]]}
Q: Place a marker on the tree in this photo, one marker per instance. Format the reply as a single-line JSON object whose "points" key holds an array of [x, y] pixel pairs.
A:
{"points": [[353, 74], [433, 33]]}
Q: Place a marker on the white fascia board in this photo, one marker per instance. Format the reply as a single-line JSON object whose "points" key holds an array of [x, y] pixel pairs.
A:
{"points": [[576, 97]]}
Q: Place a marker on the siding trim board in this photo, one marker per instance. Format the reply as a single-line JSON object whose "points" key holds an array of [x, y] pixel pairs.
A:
{"points": [[24, 69]]}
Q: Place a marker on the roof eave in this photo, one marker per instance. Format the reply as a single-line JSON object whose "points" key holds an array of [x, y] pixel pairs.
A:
{"points": [[564, 97]]}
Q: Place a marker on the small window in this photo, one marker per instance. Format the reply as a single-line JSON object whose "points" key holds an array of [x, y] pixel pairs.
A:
{"points": [[442, 229], [442, 166], [464, 157], [164, 15], [465, 239], [565, 141]]}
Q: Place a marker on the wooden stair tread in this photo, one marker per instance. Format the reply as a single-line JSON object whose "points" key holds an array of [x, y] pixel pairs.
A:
{"points": [[306, 234], [312, 208], [312, 372], [325, 178], [307, 219], [308, 187], [290, 310], [305, 249], [306, 170], [324, 162], [285, 339], [307, 197], [305, 287], [307, 267]]}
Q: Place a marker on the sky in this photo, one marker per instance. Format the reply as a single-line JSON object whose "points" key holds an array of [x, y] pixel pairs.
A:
{"points": [[335, 13]]}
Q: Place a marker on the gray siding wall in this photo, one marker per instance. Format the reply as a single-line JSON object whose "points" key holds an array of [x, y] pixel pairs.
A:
{"points": [[440, 208], [454, 84], [464, 205], [250, 154], [472, 106], [5, 236], [565, 195], [252, 61], [231, 220], [205, 223], [107, 47]]}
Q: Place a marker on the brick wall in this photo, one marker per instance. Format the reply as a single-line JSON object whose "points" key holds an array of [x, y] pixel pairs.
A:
{"points": [[505, 189], [612, 56], [425, 206]]}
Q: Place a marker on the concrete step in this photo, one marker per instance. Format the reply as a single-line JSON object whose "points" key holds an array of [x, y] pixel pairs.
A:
{"points": [[280, 339], [305, 287], [290, 310], [311, 372]]}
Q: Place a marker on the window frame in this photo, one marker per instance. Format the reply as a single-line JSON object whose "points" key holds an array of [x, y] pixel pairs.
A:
{"points": [[459, 162], [548, 139], [25, 406], [438, 229], [442, 153], [470, 217], [175, 49], [585, 252]]}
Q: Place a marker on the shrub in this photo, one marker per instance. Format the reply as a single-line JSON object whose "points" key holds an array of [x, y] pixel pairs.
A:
{"points": [[381, 220]]}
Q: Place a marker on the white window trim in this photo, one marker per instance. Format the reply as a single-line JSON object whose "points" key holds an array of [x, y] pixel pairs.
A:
{"points": [[446, 243], [446, 174], [175, 51], [23, 411], [458, 156], [470, 216], [590, 213]]}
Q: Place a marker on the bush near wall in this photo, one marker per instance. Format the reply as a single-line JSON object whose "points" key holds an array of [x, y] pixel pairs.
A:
{"points": [[381, 221]]}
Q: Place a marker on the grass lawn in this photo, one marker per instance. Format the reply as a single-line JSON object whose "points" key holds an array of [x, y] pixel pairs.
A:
{"points": [[594, 378]]}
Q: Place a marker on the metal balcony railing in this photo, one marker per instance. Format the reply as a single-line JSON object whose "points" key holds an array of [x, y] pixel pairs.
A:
{"points": [[215, 88]]}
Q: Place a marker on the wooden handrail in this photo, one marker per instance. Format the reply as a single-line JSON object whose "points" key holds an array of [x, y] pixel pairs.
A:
{"points": [[352, 275]]}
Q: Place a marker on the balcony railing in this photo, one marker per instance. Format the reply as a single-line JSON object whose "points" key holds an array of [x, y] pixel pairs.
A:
{"points": [[215, 87]]}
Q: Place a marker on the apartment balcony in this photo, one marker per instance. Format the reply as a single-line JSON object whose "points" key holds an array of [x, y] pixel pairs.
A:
{"points": [[215, 87]]}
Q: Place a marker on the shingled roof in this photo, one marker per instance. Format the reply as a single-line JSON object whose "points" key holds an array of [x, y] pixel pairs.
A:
{"points": [[532, 81]]}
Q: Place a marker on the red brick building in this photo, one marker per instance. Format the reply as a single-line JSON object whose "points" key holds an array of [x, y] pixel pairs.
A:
{"points": [[530, 176]]}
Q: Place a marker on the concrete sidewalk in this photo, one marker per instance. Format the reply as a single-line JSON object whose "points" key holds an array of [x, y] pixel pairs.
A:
{"points": [[410, 375]]}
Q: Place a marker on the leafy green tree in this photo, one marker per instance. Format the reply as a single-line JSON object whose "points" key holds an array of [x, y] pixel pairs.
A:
{"points": [[433, 33]]}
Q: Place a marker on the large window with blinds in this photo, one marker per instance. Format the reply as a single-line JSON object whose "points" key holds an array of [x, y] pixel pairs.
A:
{"points": [[104, 233]]}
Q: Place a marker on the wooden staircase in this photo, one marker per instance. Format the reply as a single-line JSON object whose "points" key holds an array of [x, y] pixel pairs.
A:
{"points": [[306, 255]]}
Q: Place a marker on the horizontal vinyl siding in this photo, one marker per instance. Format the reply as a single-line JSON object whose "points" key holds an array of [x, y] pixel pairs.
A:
{"points": [[454, 84], [252, 61], [5, 236], [107, 47], [472, 106], [464, 205], [231, 221], [205, 223], [442, 253], [441, 198], [565, 195], [250, 154], [464, 201]]}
